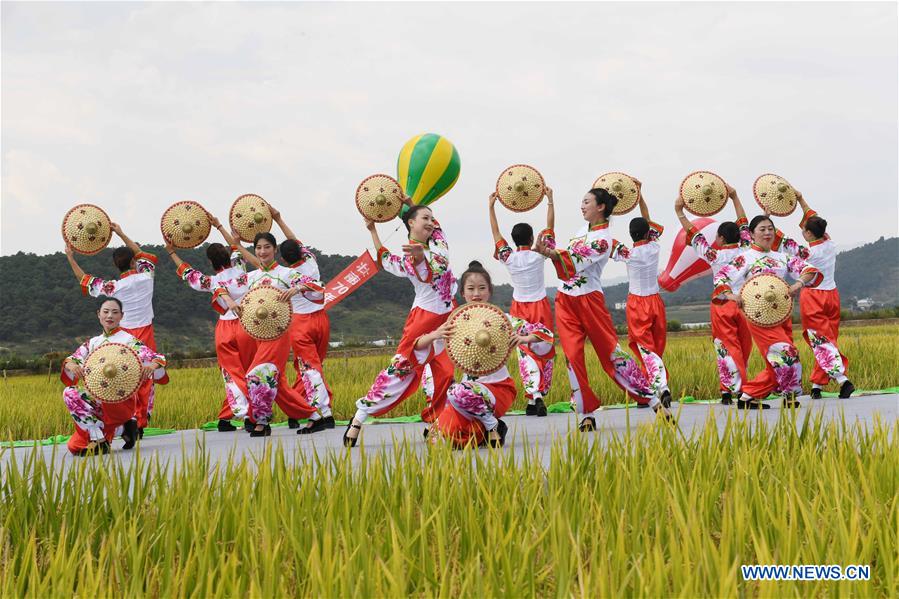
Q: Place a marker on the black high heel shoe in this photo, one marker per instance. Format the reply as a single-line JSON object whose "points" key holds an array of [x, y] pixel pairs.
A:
{"points": [[501, 430], [129, 434], [351, 441], [265, 432]]}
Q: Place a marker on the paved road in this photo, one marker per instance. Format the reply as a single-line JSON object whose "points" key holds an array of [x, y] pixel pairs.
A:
{"points": [[523, 432]]}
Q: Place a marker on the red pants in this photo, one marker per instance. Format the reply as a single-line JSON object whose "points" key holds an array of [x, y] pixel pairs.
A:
{"points": [[730, 329], [462, 429], [536, 312], [114, 416], [309, 337], [146, 393], [646, 323], [585, 317], [767, 380], [234, 360], [820, 312]]}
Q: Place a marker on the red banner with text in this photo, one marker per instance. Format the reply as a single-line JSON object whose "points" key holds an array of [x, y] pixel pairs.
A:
{"points": [[350, 279]]}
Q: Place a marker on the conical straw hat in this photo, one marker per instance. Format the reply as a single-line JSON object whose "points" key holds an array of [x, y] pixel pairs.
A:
{"points": [[621, 186], [264, 316], [480, 341], [249, 216], [774, 194], [112, 373], [520, 187], [186, 224], [766, 300], [379, 198], [86, 228], [704, 193]]}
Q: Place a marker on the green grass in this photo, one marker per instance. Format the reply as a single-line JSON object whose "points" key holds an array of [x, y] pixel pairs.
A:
{"points": [[31, 407], [649, 515]]}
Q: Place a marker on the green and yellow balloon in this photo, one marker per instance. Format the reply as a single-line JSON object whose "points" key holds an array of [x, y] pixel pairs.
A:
{"points": [[427, 168]]}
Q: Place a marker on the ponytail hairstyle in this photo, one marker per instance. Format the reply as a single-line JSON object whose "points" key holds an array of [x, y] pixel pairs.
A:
{"points": [[290, 251], [817, 226], [604, 197], [729, 231], [410, 214], [475, 268], [219, 256], [757, 220]]}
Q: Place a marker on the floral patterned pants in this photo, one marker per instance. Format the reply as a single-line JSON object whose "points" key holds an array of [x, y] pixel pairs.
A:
{"points": [[783, 370], [234, 359], [472, 409], [95, 421], [820, 312], [536, 370], [267, 383], [733, 344], [309, 336]]}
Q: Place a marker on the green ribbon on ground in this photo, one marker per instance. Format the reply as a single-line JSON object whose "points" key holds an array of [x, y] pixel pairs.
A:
{"points": [[556, 408]]}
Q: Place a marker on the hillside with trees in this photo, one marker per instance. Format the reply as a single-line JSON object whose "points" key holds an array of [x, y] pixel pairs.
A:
{"points": [[44, 311]]}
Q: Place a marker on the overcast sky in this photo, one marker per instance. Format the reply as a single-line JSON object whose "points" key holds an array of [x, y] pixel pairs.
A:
{"points": [[135, 106]]}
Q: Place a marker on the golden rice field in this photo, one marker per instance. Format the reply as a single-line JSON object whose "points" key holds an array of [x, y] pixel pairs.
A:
{"points": [[31, 407], [650, 515]]}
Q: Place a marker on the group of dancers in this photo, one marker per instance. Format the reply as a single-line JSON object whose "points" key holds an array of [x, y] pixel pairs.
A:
{"points": [[470, 411]]}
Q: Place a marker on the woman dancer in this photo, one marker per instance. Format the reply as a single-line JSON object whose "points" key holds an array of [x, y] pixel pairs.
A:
{"points": [[783, 371], [529, 301], [476, 404], [425, 263], [730, 331], [581, 311], [310, 328], [819, 308], [227, 286], [96, 423], [646, 323], [266, 377]]}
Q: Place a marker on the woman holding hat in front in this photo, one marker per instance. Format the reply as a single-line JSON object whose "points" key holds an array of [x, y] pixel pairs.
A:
{"points": [[96, 423], [476, 403], [425, 263], [134, 288], [228, 285], [266, 376], [783, 371], [581, 312], [819, 308]]}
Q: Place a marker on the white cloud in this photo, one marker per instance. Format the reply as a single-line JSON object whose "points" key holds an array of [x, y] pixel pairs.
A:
{"points": [[135, 106]]}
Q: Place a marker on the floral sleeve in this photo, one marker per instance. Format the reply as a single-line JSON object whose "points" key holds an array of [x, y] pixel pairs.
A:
{"points": [[144, 262], [195, 278], [798, 268], [655, 231], [148, 357], [77, 358], [745, 234], [544, 335], [237, 258], [730, 272], [502, 250], [580, 254], [398, 266], [791, 247], [620, 252], [549, 238], [701, 245], [311, 288], [95, 286]]}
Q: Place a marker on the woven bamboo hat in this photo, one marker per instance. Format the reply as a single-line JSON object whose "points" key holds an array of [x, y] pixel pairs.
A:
{"points": [[480, 341], [774, 194], [186, 224], [704, 193], [264, 316], [86, 228], [250, 215], [766, 300], [520, 187], [379, 198], [621, 186], [112, 373]]}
